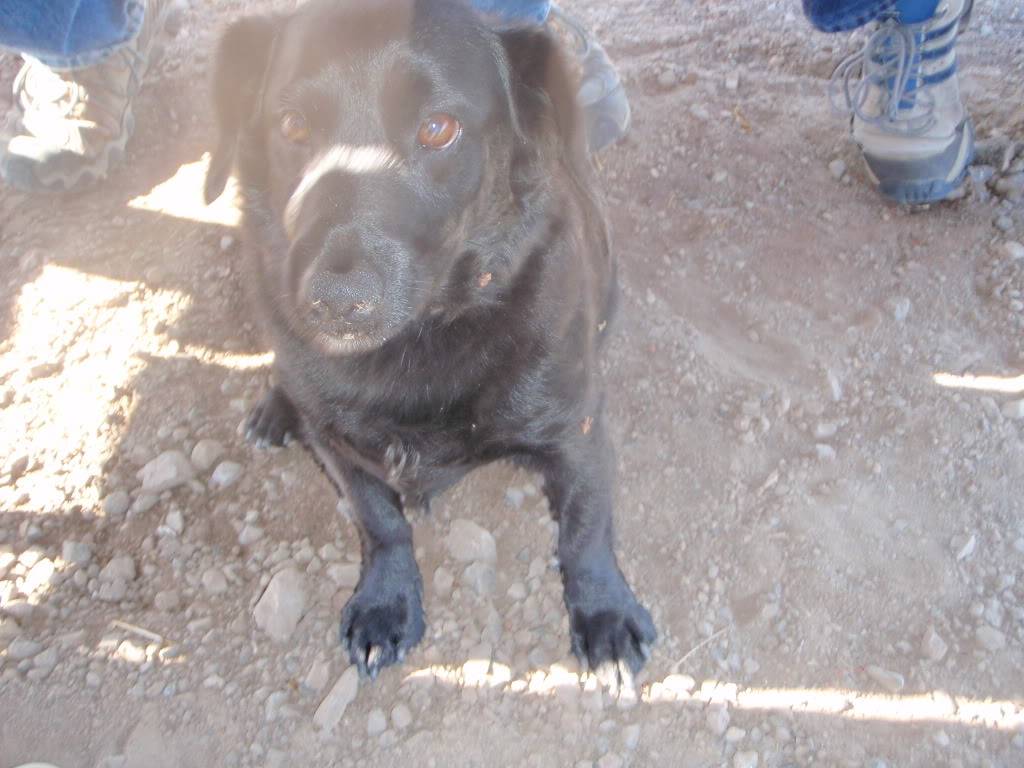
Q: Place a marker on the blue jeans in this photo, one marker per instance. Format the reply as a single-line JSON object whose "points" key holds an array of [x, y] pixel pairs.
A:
{"points": [[72, 33]]}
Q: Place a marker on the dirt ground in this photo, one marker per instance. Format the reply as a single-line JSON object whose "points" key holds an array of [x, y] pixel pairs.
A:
{"points": [[816, 402]]}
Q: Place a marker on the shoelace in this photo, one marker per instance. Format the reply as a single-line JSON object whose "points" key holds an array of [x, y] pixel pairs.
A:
{"points": [[890, 59]]}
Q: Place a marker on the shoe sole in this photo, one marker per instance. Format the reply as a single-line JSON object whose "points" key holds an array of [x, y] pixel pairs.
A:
{"points": [[931, 180]]}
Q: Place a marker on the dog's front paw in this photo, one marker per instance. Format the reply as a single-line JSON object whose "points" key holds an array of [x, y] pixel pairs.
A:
{"points": [[611, 632], [384, 618], [274, 421]]}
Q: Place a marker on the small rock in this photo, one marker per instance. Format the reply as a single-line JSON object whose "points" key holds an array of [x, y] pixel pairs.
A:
{"points": [[113, 591], [46, 660], [667, 79], [717, 719], [76, 552], [745, 760], [167, 601], [443, 582], [376, 723], [249, 535], [610, 760], [825, 430], [168, 470], [9, 628], [1014, 409], [23, 648], [837, 168], [732, 81], [631, 737], [1013, 249], [333, 707], [965, 546], [345, 576], [893, 682], [825, 452], [116, 504], [1003, 223], [900, 308], [517, 591], [933, 647], [941, 739], [989, 639], [206, 453], [317, 676], [401, 717], [175, 522], [481, 578], [227, 242], [225, 475], [514, 497], [734, 735], [467, 542], [282, 604], [120, 567], [214, 581], [144, 502], [1010, 186]]}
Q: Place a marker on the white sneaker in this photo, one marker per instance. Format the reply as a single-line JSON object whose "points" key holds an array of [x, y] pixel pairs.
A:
{"points": [[904, 98]]}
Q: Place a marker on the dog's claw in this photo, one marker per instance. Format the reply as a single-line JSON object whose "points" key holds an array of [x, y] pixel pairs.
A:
{"points": [[272, 421]]}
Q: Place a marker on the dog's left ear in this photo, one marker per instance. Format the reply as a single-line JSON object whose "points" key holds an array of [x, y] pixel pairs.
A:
{"points": [[239, 69], [542, 91]]}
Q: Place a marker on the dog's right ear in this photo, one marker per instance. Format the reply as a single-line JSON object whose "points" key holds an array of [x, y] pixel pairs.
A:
{"points": [[239, 68]]}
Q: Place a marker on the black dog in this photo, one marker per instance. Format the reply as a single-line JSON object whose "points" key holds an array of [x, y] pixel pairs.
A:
{"points": [[434, 274]]}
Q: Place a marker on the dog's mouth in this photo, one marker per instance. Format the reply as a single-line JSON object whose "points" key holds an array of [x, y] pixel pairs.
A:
{"points": [[347, 343]]}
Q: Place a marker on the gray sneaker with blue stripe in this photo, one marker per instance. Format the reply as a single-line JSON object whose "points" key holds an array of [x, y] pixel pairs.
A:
{"points": [[902, 92]]}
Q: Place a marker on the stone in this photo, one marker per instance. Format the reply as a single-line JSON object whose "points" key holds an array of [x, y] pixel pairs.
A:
{"points": [[168, 470], [1013, 409], [1013, 249], [892, 682], [900, 308], [468, 542], [732, 81], [745, 760], [225, 475], [116, 504], [933, 647], [46, 661], [282, 605], [113, 591], [481, 578], [401, 717], [837, 168], [344, 576], [1010, 186], [317, 677], [667, 79], [206, 453], [167, 601], [214, 581], [734, 735], [610, 760], [631, 737], [120, 567], [22, 648], [717, 719], [76, 552], [376, 723], [144, 502], [334, 704], [514, 497], [9, 628], [989, 639], [249, 535]]}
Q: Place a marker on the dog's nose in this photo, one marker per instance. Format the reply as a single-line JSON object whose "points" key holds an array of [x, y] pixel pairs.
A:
{"points": [[352, 296]]}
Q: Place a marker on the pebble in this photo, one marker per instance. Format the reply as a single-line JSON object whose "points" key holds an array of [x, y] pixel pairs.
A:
{"points": [[225, 475], [214, 581], [76, 552], [116, 504], [965, 546], [1010, 186], [1014, 409], [610, 760], [893, 682], [376, 723], [144, 502], [168, 470], [46, 661], [282, 604], [227, 242], [990, 639], [467, 542], [206, 453], [443, 582], [745, 760], [941, 739], [481, 578], [344, 576], [1013, 249], [1003, 223], [113, 591], [23, 648], [631, 737], [900, 308], [667, 78], [517, 591], [175, 522], [933, 647], [825, 452], [717, 719], [9, 628], [514, 497], [732, 81], [120, 567], [249, 535], [333, 707], [167, 600], [317, 676], [837, 168], [735, 735], [401, 717]]}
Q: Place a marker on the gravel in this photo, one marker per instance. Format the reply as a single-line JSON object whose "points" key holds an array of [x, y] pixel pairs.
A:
{"points": [[116, 504], [467, 542], [892, 682], [376, 722], [990, 639], [1014, 409], [837, 168], [23, 648], [225, 475], [206, 453], [120, 567], [717, 719], [168, 470], [481, 578], [933, 647], [344, 576], [76, 552], [282, 605], [167, 601], [401, 717], [745, 760], [214, 581], [443, 582]]}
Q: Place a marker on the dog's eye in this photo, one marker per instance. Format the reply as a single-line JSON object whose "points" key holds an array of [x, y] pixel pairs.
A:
{"points": [[293, 127], [438, 131]]}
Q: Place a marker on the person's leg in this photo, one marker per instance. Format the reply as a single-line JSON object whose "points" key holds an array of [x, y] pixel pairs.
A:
{"points": [[76, 108], [902, 93], [601, 95]]}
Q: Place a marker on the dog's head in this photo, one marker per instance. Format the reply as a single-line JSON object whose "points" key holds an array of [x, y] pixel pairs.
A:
{"points": [[392, 154]]}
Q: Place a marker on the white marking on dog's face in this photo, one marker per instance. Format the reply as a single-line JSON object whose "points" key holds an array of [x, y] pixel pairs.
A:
{"points": [[341, 157]]}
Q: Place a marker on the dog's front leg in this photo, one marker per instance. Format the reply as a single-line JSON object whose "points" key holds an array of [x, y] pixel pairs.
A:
{"points": [[608, 626], [383, 619]]}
